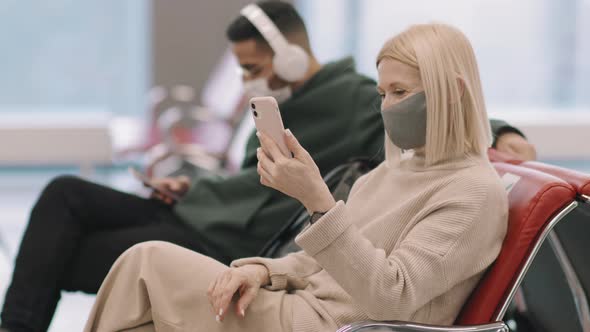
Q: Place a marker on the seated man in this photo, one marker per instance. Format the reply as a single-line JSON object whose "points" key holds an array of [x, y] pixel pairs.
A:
{"points": [[77, 229]]}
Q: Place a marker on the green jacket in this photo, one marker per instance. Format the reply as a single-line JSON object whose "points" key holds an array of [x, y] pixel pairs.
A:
{"points": [[335, 116]]}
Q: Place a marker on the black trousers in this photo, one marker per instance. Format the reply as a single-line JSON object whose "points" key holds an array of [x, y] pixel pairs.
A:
{"points": [[76, 231]]}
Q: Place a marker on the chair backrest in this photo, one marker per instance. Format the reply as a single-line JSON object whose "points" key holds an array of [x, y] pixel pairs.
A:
{"points": [[340, 181], [536, 203], [580, 181], [571, 237]]}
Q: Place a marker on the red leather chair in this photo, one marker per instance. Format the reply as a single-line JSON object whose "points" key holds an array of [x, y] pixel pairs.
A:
{"points": [[580, 181], [568, 246], [538, 201]]}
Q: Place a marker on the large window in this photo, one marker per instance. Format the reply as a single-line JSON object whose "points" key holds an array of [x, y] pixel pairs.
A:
{"points": [[68, 55], [533, 54]]}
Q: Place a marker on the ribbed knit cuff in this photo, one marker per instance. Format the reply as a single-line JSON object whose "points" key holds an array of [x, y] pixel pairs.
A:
{"points": [[323, 232], [277, 274], [277, 282]]}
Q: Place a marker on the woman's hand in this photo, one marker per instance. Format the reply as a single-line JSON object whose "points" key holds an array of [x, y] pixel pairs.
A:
{"points": [[246, 280], [298, 177]]}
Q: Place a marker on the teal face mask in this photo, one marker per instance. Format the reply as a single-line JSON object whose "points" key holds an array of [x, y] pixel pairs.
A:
{"points": [[405, 122]]}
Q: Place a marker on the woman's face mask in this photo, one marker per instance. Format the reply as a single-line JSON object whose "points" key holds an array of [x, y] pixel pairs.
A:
{"points": [[405, 122], [403, 103]]}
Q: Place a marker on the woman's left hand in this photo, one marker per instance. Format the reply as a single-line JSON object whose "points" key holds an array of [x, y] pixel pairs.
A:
{"points": [[298, 177], [245, 281]]}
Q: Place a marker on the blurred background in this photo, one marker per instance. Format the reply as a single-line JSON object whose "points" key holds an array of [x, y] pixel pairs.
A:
{"points": [[93, 87]]}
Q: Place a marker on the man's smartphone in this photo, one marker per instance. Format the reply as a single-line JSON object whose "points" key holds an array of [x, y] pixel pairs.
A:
{"points": [[149, 183], [267, 118]]}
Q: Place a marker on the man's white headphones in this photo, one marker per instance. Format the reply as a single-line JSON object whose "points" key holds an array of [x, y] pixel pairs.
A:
{"points": [[290, 61]]}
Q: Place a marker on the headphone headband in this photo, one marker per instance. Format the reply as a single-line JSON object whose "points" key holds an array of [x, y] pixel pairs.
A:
{"points": [[290, 62], [266, 27]]}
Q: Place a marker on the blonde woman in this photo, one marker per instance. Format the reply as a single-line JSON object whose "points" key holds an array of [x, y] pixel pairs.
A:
{"points": [[411, 243]]}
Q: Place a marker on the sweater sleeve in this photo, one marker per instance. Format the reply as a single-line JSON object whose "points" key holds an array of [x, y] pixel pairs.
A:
{"points": [[455, 241], [286, 273], [289, 272]]}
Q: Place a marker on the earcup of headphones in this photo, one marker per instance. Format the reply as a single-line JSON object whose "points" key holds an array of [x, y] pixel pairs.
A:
{"points": [[291, 64]]}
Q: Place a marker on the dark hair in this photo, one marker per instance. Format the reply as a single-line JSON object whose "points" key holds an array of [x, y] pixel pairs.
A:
{"points": [[282, 14]]}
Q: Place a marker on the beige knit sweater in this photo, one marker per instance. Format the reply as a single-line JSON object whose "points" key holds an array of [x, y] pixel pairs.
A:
{"points": [[410, 244]]}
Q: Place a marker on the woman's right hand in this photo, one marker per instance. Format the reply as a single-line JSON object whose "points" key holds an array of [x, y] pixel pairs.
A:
{"points": [[246, 280]]}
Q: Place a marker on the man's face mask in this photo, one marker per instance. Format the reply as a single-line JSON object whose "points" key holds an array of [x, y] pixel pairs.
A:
{"points": [[405, 122], [259, 88]]}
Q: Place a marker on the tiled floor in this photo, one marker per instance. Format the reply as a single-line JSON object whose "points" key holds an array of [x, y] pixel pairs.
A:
{"points": [[18, 191]]}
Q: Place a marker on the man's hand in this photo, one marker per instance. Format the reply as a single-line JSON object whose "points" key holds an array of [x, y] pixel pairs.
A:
{"points": [[516, 146], [178, 185]]}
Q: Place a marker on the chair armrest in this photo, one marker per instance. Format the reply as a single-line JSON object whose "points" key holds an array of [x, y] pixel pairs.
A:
{"points": [[398, 326]]}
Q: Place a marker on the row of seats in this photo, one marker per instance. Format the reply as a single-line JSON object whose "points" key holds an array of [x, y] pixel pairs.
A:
{"points": [[543, 198], [553, 294]]}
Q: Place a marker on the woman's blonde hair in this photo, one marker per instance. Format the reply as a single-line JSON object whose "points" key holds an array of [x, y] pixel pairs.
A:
{"points": [[457, 123]]}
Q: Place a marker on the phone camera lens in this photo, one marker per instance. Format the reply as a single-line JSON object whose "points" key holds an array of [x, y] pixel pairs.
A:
{"points": [[253, 106], [255, 114]]}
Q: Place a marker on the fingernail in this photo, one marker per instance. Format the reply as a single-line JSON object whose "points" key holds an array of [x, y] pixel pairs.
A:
{"points": [[220, 312], [243, 313], [258, 134], [217, 319], [289, 133]]}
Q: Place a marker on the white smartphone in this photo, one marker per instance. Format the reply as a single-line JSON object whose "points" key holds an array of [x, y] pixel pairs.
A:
{"points": [[267, 119], [149, 183]]}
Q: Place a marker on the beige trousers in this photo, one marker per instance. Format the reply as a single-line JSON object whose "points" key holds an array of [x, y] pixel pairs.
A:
{"points": [[157, 286]]}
